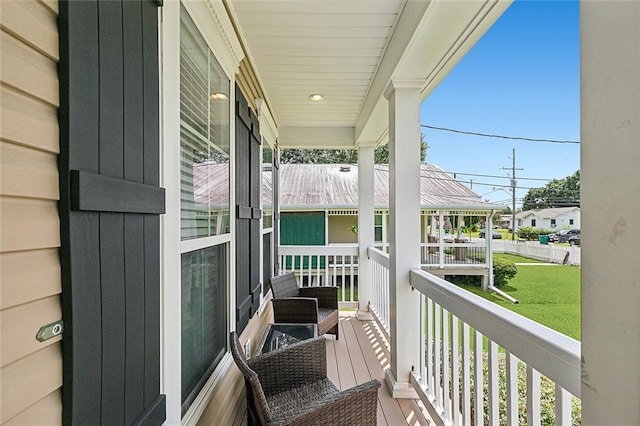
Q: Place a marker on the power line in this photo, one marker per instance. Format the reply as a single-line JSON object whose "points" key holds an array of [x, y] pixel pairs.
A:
{"points": [[501, 177], [488, 135]]}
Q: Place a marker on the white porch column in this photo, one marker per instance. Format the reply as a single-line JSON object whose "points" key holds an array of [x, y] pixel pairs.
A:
{"points": [[366, 236], [404, 250], [610, 154]]}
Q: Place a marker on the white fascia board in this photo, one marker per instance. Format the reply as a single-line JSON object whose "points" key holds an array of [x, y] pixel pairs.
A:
{"points": [[444, 33], [316, 137], [268, 127], [214, 24]]}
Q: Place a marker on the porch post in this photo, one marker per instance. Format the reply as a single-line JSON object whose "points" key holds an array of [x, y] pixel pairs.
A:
{"points": [[404, 249], [488, 237], [441, 239], [610, 131], [366, 235]]}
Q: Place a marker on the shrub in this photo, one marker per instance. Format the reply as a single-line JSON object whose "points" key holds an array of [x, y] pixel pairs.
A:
{"points": [[531, 234], [503, 271]]}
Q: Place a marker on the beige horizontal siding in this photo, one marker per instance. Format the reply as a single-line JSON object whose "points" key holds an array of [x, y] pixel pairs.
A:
{"points": [[36, 271], [28, 122], [25, 172], [34, 24], [28, 224], [19, 324], [340, 229], [47, 411], [30, 379], [27, 70], [30, 371]]}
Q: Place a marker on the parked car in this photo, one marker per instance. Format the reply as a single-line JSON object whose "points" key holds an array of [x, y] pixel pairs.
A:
{"points": [[564, 235], [494, 235], [574, 240], [553, 238]]}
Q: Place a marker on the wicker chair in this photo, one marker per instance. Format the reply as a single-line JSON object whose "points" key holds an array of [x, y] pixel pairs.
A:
{"points": [[293, 304], [289, 386]]}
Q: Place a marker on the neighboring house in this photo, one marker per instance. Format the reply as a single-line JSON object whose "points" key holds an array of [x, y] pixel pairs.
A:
{"points": [[319, 203], [555, 218], [503, 221], [111, 110]]}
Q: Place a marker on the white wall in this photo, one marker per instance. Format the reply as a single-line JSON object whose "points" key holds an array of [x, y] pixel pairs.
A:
{"points": [[610, 154]]}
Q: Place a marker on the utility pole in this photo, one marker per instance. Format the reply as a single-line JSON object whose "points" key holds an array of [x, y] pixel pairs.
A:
{"points": [[513, 194]]}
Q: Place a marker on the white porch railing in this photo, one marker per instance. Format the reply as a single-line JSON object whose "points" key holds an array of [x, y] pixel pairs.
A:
{"points": [[467, 339], [379, 303], [460, 254], [471, 254], [545, 252], [324, 266]]}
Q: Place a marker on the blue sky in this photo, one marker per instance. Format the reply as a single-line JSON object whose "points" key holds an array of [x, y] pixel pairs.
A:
{"points": [[520, 79]]}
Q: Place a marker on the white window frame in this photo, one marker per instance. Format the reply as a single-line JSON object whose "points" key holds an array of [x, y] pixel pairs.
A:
{"points": [[216, 28]]}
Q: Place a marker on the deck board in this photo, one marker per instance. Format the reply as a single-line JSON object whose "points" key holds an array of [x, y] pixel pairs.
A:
{"points": [[361, 355], [364, 351]]}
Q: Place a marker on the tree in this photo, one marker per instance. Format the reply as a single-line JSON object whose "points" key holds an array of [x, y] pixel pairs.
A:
{"points": [[557, 193], [341, 156]]}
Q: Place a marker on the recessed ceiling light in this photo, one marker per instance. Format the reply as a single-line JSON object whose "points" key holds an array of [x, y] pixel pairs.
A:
{"points": [[218, 96], [316, 97]]}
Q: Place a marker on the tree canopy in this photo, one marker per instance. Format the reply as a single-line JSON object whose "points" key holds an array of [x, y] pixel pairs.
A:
{"points": [[557, 193], [341, 156]]}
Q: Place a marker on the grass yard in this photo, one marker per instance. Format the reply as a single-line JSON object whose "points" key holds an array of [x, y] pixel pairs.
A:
{"points": [[549, 295]]}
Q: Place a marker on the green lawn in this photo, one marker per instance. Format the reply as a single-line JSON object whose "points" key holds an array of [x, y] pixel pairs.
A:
{"points": [[549, 295]]}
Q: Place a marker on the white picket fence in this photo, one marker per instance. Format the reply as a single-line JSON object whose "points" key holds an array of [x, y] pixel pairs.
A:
{"points": [[551, 253]]}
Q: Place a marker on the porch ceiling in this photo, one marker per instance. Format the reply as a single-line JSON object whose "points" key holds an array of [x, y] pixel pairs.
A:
{"points": [[348, 51]]}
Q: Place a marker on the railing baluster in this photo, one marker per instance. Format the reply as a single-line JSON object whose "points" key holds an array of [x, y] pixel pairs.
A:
{"points": [[494, 397], [437, 389], [466, 374], [563, 407], [455, 371], [430, 358], [478, 383], [533, 397], [351, 279], [512, 389], [446, 375]]}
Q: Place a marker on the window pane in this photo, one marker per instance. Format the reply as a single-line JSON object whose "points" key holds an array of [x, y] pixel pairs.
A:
{"points": [[267, 187], [204, 137], [204, 323]]}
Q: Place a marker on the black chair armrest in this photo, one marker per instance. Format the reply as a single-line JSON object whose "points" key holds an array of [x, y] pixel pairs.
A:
{"points": [[355, 406], [295, 310], [291, 366], [327, 296]]}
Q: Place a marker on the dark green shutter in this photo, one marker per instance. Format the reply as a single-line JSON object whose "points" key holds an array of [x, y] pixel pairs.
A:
{"points": [[110, 201]]}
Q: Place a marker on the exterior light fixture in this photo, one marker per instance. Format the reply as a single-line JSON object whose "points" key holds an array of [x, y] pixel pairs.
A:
{"points": [[219, 96], [316, 97]]}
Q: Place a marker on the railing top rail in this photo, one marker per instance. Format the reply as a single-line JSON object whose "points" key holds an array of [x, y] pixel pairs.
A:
{"points": [[339, 250], [551, 353], [379, 256]]}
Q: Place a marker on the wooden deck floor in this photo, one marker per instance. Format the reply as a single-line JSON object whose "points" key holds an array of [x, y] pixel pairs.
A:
{"points": [[360, 355]]}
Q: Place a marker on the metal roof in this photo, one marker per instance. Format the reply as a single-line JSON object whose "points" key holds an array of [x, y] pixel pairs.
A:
{"points": [[306, 186]]}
